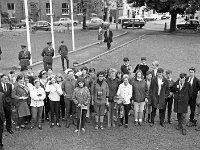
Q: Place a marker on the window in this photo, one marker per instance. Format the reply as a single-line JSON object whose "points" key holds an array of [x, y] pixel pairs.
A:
{"points": [[47, 8], [11, 6], [65, 8]]}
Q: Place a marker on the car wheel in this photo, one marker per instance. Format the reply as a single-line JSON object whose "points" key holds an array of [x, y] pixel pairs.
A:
{"points": [[60, 24], [75, 24], [141, 27]]}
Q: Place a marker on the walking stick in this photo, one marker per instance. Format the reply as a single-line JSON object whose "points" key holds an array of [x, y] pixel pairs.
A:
{"points": [[79, 129]]}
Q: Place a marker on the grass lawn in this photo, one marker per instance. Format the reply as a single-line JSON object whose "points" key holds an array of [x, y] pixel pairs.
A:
{"points": [[174, 52]]}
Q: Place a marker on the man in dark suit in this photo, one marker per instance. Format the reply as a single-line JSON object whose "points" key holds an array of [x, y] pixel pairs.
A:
{"points": [[126, 66], [158, 91], [2, 98], [63, 51], [6, 88], [195, 85], [108, 35], [47, 54]]}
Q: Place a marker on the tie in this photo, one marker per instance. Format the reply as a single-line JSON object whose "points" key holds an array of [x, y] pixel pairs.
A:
{"points": [[190, 79], [5, 89]]}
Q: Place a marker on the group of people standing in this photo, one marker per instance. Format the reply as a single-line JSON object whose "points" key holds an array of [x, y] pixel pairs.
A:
{"points": [[81, 91]]}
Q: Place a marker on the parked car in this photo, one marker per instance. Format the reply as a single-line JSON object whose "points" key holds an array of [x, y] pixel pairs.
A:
{"points": [[22, 23], [152, 17], [165, 17], [120, 19], [190, 24], [42, 25], [65, 22], [138, 22], [95, 23]]}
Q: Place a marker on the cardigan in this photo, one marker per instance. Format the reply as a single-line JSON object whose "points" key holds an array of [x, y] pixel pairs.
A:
{"points": [[125, 91], [55, 91], [37, 96]]}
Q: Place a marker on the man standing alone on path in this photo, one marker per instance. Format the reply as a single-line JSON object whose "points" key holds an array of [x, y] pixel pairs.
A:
{"points": [[47, 54], [108, 35], [24, 58], [63, 51]]}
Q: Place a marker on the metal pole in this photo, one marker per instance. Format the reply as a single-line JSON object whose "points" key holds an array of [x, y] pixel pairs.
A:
{"points": [[27, 29], [52, 31], [72, 19], [117, 15], [0, 20]]}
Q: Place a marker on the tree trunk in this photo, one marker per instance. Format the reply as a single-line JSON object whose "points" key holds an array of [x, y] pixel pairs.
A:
{"points": [[173, 22]]}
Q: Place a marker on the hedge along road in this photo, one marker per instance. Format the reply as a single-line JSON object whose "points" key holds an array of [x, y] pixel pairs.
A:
{"points": [[87, 54]]}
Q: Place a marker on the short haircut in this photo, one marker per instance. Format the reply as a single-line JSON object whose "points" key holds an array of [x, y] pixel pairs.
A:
{"points": [[3, 75], [125, 76], [192, 68], [156, 63], [100, 73], [20, 77]]}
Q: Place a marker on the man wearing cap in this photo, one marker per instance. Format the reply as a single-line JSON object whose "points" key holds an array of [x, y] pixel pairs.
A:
{"points": [[126, 66], [47, 54], [63, 51], [195, 85], [158, 91], [24, 58], [182, 92], [142, 66]]}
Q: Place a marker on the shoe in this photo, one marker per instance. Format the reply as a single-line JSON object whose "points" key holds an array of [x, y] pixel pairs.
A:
{"points": [[169, 121], [31, 127], [97, 127], [162, 124], [17, 128], [52, 125], [10, 131], [58, 125], [76, 130], [47, 119], [126, 125], [101, 127], [140, 123], [151, 124], [136, 123], [23, 126], [183, 132], [40, 127], [83, 129]]}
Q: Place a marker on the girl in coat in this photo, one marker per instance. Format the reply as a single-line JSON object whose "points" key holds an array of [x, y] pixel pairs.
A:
{"points": [[182, 92], [81, 97], [125, 91], [21, 95], [55, 92], [37, 95]]}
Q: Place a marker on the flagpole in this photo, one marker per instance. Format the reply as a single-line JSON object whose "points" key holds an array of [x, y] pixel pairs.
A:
{"points": [[28, 29], [72, 19], [52, 31]]}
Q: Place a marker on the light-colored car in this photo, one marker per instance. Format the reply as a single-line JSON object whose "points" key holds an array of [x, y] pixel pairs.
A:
{"points": [[151, 17], [65, 22], [95, 23]]}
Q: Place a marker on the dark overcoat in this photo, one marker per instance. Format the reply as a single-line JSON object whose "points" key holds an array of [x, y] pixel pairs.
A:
{"points": [[181, 97], [108, 38], [159, 101]]}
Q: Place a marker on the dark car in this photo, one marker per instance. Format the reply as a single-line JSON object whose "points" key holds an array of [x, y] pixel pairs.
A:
{"points": [[22, 23], [190, 24], [42, 25], [165, 17], [138, 22]]}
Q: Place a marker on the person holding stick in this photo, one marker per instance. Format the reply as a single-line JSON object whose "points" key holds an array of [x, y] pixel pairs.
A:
{"points": [[81, 97]]}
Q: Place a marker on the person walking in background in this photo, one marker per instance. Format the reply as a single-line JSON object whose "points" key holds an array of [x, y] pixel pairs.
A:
{"points": [[159, 90], [182, 92], [68, 86], [81, 97], [47, 54], [140, 96], [100, 93], [125, 91], [170, 97], [142, 66], [55, 92], [195, 85], [24, 58], [6, 88], [113, 84], [37, 95], [100, 34], [108, 35], [63, 51]]}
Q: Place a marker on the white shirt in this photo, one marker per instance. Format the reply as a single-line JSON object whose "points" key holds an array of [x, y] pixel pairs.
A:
{"points": [[125, 91], [4, 87], [37, 101], [55, 91], [159, 85], [190, 80]]}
